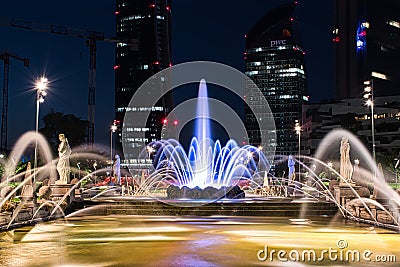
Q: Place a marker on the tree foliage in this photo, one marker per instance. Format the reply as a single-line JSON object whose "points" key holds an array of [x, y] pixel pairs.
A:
{"points": [[73, 127]]}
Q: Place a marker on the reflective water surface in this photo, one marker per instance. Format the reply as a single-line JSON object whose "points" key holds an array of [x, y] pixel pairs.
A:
{"points": [[199, 241]]}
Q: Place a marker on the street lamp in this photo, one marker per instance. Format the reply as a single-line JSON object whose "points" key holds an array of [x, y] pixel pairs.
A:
{"points": [[113, 129], [297, 128], [41, 86], [369, 96], [150, 150], [395, 167]]}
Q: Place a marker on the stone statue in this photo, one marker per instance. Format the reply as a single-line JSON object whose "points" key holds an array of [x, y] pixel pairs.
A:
{"points": [[64, 151], [291, 163], [346, 168], [117, 168]]}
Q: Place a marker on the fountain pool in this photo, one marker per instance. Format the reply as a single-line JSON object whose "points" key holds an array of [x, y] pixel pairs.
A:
{"points": [[199, 241]]}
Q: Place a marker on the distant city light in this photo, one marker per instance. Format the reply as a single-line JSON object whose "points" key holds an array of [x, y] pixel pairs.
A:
{"points": [[379, 75], [393, 23], [361, 38]]}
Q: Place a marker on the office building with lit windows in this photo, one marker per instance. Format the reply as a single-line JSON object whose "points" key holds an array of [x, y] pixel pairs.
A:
{"points": [[366, 42], [274, 60], [146, 25], [352, 114]]}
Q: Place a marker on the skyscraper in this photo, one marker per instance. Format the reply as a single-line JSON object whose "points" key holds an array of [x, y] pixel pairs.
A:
{"points": [[147, 25], [366, 38], [274, 60]]}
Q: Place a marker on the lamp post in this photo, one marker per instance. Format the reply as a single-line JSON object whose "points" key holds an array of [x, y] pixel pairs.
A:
{"points": [[297, 128], [113, 129], [150, 150], [41, 86], [369, 96], [395, 168]]}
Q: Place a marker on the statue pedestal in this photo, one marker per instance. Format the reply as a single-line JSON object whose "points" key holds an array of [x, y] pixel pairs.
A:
{"points": [[343, 193], [58, 191]]}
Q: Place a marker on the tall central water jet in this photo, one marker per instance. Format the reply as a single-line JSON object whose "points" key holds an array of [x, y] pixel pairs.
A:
{"points": [[202, 166]]}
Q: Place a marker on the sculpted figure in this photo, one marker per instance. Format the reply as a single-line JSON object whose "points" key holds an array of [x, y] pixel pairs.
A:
{"points": [[291, 164], [117, 168], [64, 151], [346, 168]]}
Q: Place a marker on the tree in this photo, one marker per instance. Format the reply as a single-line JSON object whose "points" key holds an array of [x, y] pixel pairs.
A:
{"points": [[73, 127]]}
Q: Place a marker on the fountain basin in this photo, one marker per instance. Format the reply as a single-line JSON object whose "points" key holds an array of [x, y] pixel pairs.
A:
{"points": [[230, 192]]}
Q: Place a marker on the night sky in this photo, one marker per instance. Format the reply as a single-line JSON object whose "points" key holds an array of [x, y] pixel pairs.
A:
{"points": [[202, 30]]}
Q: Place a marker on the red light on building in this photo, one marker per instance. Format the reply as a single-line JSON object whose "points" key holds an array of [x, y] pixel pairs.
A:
{"points": [[291, 19], [168, 8], [363, 33], [175, 122], [165, 121], [116, 67], [153, 5], [116, 12], [245, 36], [170, 64], [336, 39], [156, 63]]}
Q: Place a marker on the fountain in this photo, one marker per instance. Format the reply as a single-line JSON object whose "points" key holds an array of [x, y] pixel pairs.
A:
{"points": [[208, 170], [32, 195], [196, 182]]}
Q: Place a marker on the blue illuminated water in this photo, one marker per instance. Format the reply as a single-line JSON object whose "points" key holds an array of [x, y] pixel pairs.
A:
{"points": [[208, 162]]}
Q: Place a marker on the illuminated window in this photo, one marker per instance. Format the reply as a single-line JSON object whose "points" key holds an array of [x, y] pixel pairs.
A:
{"points": [[393, 23], [361, 38]]}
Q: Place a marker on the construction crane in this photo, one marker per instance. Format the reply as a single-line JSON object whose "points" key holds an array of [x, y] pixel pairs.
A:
{"points": [[91, 38], [5, 56]]}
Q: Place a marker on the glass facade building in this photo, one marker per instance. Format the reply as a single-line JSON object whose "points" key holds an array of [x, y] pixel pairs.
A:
{"points": [[146, 25], [274, 60], [366, 39]]}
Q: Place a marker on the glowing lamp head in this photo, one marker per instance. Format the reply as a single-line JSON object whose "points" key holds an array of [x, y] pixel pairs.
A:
{"points": [[297, 129], [150, 149], [42, 84], [367, 89]]}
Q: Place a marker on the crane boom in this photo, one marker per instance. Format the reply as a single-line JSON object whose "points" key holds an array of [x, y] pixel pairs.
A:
{"points": [[5, 56], [91, 38]]}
